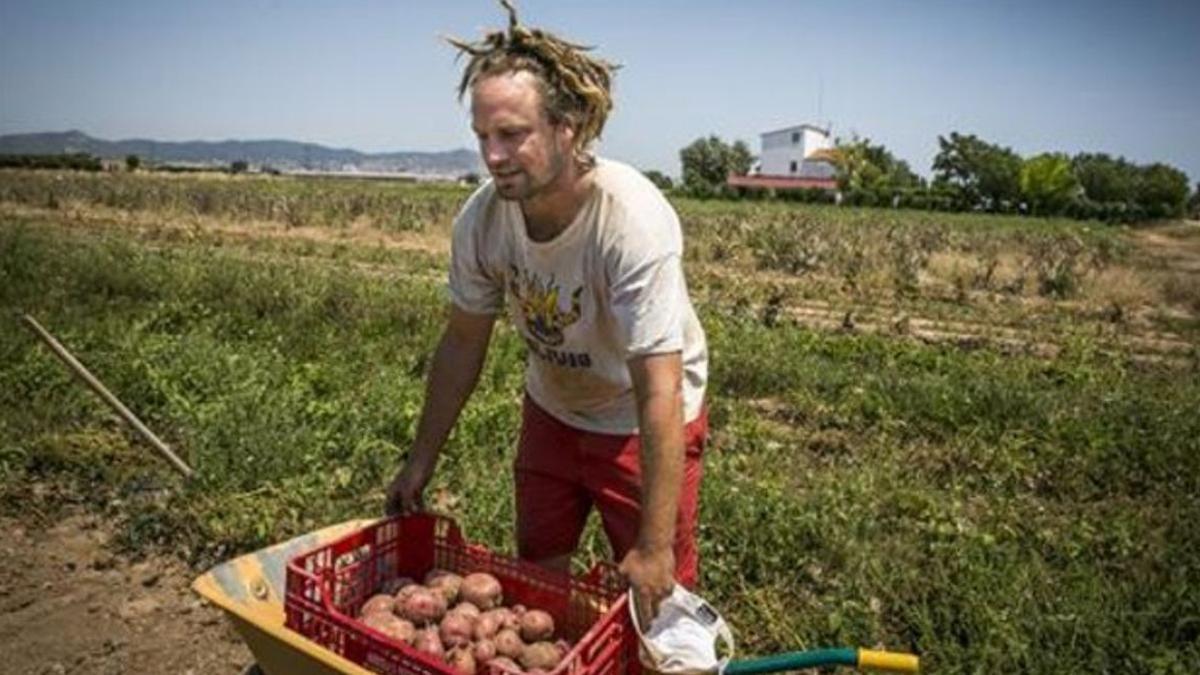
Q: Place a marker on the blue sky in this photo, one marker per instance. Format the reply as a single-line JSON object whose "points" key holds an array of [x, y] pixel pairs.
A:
{"points": [[1122, 78]]}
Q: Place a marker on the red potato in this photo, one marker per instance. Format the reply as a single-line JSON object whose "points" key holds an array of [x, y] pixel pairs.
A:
{"points": [[484, 650], [456, 629], [508, 643], [540, 655], [428, 642], [505, 663], [486, 626], [466, 608], [536, 625], [391, 625], [407, 590], [506, 618], [422, 606], [482, 590], [446, 583], [378, 603], [462, 661], [392, 586]]}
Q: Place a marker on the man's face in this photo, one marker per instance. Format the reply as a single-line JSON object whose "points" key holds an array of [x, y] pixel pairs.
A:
{"points": [[523, 151]]}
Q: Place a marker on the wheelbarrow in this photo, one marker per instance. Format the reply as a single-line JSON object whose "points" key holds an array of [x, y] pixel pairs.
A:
{"points": [[251, 590]]}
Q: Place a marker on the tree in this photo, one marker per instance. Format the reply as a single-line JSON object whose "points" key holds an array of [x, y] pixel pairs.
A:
{"points": [[708, 162], [1162, 191], [1194, 204], [132, 162], [660, 179], [1105, 180], [239, 166], [1048, 184], [863, 167], [978, 173]]}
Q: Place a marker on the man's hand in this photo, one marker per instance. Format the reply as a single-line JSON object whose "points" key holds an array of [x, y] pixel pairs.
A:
{"points": [[405, 493], [651, 574]]}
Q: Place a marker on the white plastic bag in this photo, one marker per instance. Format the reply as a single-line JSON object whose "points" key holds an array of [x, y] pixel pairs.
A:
{"points": [[682, 639]]}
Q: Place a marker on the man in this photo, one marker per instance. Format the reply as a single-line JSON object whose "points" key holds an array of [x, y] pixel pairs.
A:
{"points": [[588, 254]]}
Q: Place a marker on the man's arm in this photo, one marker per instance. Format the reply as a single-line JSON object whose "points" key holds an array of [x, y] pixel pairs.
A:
{"points": [[650, 565], [456, 365]]}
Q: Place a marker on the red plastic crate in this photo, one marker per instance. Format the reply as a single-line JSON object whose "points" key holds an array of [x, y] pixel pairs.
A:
{"points": [[327, 586]]}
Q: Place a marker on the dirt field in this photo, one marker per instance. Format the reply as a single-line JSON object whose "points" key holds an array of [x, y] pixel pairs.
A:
{"points": [[70, 604]]}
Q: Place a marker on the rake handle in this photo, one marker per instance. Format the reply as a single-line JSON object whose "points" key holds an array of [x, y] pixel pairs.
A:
{"points": [[97, 386]]}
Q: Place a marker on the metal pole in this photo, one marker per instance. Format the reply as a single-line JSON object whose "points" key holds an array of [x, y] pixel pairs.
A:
{"points": [[96, 386]]}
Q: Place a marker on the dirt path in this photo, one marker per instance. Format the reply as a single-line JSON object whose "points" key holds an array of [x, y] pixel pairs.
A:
{"points": [[69, 604]]}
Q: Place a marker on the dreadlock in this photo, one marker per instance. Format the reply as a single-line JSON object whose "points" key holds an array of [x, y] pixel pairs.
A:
{"points": [[575, 87]]}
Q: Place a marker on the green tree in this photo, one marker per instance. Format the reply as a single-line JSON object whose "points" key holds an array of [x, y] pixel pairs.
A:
{"points": [[864, 167], [239, 166], [132, 162], [1048, 184], [660, 179], [1104, 179], [1194, 204], [1162, 191], [708, 162], [979, 174]]}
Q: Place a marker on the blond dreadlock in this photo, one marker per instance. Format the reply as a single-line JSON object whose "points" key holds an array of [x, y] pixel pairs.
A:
{"points": [[575, 87]]}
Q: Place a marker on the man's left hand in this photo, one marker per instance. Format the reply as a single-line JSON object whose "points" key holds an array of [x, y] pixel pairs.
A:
{"points": [[651, 575]]}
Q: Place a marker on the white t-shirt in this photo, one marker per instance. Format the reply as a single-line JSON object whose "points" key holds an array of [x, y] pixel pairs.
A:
{"points": [[607, 288]]}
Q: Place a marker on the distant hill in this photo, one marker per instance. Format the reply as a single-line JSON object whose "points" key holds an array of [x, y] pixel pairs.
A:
{"points": [[280, 154]]}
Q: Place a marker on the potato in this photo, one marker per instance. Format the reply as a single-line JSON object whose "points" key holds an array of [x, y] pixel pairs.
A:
{"points": [[486, 626], [461, 661], [392, 586], [456, 629], [428, 642], [484, 650], [378, 603], [505, 663], [543, 655], [422, 606], [482, 590], [509, 643], [466, 608], [391, 625], [407, 590], [447, 583], [536, 626], [506, 618]]}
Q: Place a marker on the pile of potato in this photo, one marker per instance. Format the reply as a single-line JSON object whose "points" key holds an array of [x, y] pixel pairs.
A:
{"points": [[463, 621]]}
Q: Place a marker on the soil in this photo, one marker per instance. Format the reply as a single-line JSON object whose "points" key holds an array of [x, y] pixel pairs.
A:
{"points": [[70, 603]]}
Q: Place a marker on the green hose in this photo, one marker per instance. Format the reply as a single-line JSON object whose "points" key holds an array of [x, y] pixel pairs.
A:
{"points": [[794, 661]]}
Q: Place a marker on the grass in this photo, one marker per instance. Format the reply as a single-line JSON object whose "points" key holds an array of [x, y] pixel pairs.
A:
{"points": [[992, 512]]}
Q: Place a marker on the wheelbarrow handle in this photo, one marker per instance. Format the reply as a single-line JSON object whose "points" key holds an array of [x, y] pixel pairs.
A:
{"points": [[855, 658]]}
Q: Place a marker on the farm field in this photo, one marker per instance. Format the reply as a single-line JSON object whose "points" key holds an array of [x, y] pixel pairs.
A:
{"points": [[971, 437]]}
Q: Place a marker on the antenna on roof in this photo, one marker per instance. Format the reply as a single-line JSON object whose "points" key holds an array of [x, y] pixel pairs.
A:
{"points": [[820, 97]]}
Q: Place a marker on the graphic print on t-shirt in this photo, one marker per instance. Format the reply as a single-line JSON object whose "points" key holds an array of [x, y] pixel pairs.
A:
{"points": [[538, 301], [544, 319]]}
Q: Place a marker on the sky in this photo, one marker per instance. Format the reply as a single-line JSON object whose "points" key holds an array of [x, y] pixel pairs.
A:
{"points": [[1068, 76]]}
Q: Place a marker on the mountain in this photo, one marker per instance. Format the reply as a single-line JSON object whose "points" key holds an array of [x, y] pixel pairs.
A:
{"points": [[280, 154]]}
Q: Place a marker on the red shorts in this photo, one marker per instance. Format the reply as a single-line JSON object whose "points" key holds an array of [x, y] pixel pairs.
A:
{"points": [[561, 472]]}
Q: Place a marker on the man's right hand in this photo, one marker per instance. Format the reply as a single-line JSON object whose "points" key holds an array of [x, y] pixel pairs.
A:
{"points": [[405, 493]]}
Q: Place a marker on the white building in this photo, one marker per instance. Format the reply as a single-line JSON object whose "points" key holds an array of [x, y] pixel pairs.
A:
{"points": [[795, 152], [802, 157]]}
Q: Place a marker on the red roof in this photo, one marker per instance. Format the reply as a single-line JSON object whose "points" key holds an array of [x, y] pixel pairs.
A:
{"points": [[783, 182]]}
